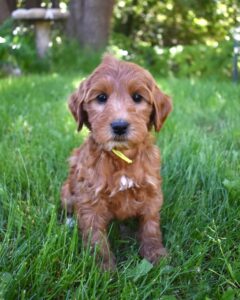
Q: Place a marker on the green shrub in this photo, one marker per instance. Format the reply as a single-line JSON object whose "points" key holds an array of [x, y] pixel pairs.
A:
{"points": [[202, 60], [182, 61], [66, 54], [17, 48], [172, 22]]}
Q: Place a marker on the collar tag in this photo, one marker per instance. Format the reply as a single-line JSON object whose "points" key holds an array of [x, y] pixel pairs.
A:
{"points": [[122, 156]]}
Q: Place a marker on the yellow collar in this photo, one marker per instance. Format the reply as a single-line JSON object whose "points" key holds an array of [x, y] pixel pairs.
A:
{"points": [[122, 156]]}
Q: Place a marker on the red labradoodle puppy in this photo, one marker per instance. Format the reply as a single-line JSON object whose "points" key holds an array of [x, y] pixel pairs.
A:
{"points": [[116, 172]]}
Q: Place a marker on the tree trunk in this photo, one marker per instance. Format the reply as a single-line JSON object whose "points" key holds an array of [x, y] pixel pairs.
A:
{"points": [[12, 4], [90, 22], [4, 11], [55, 4], [33, 3]]}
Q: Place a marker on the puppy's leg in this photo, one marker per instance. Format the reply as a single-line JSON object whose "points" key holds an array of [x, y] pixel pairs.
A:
{"points": [[151, 246], [94, 231], [67, 204], [67, 199]]}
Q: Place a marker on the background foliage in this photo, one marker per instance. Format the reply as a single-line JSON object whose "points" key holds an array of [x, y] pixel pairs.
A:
{"points": [[174, 22], [170, 37]]}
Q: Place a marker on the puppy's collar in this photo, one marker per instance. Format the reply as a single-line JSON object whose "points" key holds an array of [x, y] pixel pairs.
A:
{"points": [[122, 156]]}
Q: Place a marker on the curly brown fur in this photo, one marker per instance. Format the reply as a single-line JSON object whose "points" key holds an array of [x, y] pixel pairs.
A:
{"points": [[101, 186]]}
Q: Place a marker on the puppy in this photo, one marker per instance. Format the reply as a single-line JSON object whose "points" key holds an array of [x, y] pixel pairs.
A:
{"points": [[115, 174]]}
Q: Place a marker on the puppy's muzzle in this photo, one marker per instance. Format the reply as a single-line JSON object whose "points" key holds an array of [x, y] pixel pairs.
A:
{"points": [[119, 127]]}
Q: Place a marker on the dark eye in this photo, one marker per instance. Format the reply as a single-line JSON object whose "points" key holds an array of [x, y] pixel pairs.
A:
{"points": [[137, 97], [102, 98]]}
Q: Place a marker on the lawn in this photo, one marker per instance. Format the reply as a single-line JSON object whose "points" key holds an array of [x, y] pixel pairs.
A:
{"points": [[40, 258]]}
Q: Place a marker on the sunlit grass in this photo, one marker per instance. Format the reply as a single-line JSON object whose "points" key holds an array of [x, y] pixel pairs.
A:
{"points": [[200, 144]]}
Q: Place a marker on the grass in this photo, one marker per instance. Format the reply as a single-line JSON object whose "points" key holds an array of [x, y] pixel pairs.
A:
{"points": [[42, 259]]}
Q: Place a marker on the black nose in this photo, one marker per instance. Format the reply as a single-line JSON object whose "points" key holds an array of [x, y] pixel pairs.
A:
{"points": [[119, 127]]}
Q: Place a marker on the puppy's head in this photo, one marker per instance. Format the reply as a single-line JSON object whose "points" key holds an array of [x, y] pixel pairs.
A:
{"points": [[119, 102]]}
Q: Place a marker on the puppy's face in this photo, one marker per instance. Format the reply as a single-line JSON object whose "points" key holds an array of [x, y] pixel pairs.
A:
{"points": [[119, 102]]}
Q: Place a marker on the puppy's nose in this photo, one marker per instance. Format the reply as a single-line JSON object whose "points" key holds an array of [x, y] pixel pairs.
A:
{"points": [[119, 127]]}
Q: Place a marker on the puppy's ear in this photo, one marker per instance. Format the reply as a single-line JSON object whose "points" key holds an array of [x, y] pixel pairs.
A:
{"points": [[162, 106], [75, 104]]}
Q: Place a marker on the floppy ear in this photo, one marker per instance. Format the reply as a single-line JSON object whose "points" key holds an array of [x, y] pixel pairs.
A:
{"points": [[162, 106], [75, 104]]}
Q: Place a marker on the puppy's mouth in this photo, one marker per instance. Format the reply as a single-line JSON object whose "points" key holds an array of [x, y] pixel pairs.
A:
{"points": [[121, 138], [117, 142]]}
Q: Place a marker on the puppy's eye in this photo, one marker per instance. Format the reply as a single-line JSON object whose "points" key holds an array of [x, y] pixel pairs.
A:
{"points": [[102, 98], [137, 97]]}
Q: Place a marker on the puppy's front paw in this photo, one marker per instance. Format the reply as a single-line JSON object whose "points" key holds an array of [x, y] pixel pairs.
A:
{"points": [[108, 263], [153, 251]]}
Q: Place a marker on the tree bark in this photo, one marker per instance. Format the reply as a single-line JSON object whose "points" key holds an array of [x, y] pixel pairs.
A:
{"points": [[55, 4], [33, 3], [12, 5], [4, 11], [90, 22]]}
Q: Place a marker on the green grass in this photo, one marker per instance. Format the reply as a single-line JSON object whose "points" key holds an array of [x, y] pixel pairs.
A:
{"points": [[42, 259]]}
